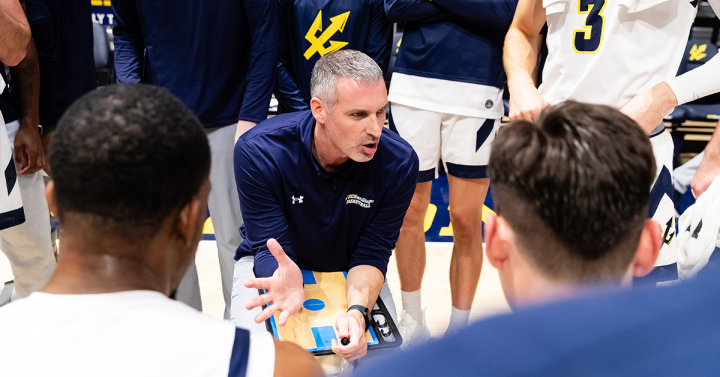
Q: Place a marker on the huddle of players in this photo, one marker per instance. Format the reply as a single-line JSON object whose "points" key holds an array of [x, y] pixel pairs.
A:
{"points": [[554, 230]]}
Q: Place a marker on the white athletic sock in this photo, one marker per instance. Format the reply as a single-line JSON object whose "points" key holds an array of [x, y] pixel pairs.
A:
{"points": [[412, 304], [458, 320]]}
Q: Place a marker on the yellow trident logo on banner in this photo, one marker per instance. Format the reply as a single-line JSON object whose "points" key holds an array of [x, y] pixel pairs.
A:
{"points": [[317, 44]]}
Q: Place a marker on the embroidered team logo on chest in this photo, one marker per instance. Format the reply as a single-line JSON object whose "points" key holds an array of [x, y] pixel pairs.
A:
{"points": [[298, 199], [362, 202]]}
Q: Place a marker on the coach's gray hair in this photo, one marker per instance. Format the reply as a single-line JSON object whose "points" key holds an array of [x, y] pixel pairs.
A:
{"points": [[344, 63]]}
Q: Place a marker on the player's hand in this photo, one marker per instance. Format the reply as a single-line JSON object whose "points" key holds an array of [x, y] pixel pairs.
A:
{"points": [[29, 152], [526, 103], [649, 108], [704, 176], [350, 325], [242, 127], [284, 289]]}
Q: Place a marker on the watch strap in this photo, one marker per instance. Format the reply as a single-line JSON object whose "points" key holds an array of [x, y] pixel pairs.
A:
{"points": [[365, 313]]}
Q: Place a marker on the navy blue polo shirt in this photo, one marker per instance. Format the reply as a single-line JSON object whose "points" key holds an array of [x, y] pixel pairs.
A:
{"points": [[324, 221]]}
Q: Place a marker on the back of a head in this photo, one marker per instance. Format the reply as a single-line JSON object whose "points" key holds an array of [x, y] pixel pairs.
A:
{"points": [[124, 157], [574, 188]]}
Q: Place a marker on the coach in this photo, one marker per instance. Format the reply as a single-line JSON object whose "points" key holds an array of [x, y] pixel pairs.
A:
{"points": [[323, 190], [219, 58]]}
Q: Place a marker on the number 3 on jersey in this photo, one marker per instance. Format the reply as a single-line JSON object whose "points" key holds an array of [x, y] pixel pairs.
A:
{"points": [[589, 39]]}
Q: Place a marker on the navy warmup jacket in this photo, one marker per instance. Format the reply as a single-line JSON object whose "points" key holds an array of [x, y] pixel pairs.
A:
{"points": [[455, 40], [217, 56], [324, 222], [310, 29]]}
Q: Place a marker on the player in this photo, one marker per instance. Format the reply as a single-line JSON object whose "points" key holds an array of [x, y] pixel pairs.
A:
{"points": [[130, 189], [621, 54], [28, 246], [323, 190], [549, 246], [446, 94], [219, 58], [709, 167], [309, 29]]}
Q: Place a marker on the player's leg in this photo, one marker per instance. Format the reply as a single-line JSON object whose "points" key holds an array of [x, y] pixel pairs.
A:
{"points": [[240, 316], [421, 129], [28, 246], [224, 206], [662, 210], [466, 152]]}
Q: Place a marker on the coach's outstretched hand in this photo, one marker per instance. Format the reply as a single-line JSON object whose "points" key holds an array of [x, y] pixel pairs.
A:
{"points": [[284, 288]]}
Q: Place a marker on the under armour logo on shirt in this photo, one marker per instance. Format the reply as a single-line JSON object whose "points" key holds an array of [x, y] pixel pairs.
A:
{"points": [[299, 200]]}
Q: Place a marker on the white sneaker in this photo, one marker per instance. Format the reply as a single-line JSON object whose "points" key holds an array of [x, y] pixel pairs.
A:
{"points": [[412, 331]]}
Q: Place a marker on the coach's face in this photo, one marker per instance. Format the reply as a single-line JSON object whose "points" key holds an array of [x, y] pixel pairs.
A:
{"points": [[356, 121]]}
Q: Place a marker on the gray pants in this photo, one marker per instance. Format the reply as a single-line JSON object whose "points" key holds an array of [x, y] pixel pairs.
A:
{"points": [[28, 246], [245, 319], [224, 207]]}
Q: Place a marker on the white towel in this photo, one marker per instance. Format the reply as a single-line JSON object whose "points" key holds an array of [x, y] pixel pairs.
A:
{"points": [[699, 228], [556, 6]]}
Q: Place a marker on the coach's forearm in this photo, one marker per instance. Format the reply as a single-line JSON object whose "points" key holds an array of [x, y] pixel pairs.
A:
{"points": [[363, 285]]}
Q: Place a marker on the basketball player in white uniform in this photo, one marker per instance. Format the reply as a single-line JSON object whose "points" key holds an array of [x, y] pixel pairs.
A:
{"points": [[131, 220], [621, 53]]}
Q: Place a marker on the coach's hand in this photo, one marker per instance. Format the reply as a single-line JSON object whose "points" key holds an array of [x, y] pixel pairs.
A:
{"points": [[649, 108], [350, 325], [526, 103], [284, 288], [242, 127]]}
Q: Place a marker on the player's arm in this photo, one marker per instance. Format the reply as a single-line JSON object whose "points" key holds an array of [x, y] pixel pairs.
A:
{"points": [[262, 20], [267, 232], [129, 42], [709, 168], [287, 90], [14, 32], [520, 55], [379, 42], [650, 107], [29, 152], [293, 361], [415, 11], [490, 13]]}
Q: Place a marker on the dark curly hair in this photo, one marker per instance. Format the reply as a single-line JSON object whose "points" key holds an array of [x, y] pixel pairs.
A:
{"points": [[574, 187], [128, 156]]}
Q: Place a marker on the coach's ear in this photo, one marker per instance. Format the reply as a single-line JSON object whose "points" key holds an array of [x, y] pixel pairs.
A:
{"points": [[316, 106], [50, 197], [648, 250], [496, 229]]}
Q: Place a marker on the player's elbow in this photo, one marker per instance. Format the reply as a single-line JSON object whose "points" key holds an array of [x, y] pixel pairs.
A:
{"points": [[15, 52], [293, 361]]}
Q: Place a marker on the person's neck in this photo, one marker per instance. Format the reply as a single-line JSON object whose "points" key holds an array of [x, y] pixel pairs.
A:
{"points": [[535, 290], [90, 266], [329, 158]]}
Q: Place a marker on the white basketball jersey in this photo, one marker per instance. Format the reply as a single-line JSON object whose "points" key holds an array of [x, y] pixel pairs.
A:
{"points": [[11, 211], [123, 334], [599, 52]]}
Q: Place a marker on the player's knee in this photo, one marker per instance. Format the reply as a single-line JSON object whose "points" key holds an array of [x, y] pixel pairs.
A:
{"points": [[466, 223]]}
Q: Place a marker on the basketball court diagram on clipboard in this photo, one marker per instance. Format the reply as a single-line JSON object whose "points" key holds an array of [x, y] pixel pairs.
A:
{"points": [[313, 326]]}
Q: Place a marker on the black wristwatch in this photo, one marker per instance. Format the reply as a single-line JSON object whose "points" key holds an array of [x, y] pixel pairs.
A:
{"points": [[365, 312]]}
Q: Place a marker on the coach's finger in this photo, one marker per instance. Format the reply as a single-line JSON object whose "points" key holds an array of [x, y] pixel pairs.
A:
{"points": [[258, 301], [258, 283], [277, 251], [282, 319], [265, 314]]}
